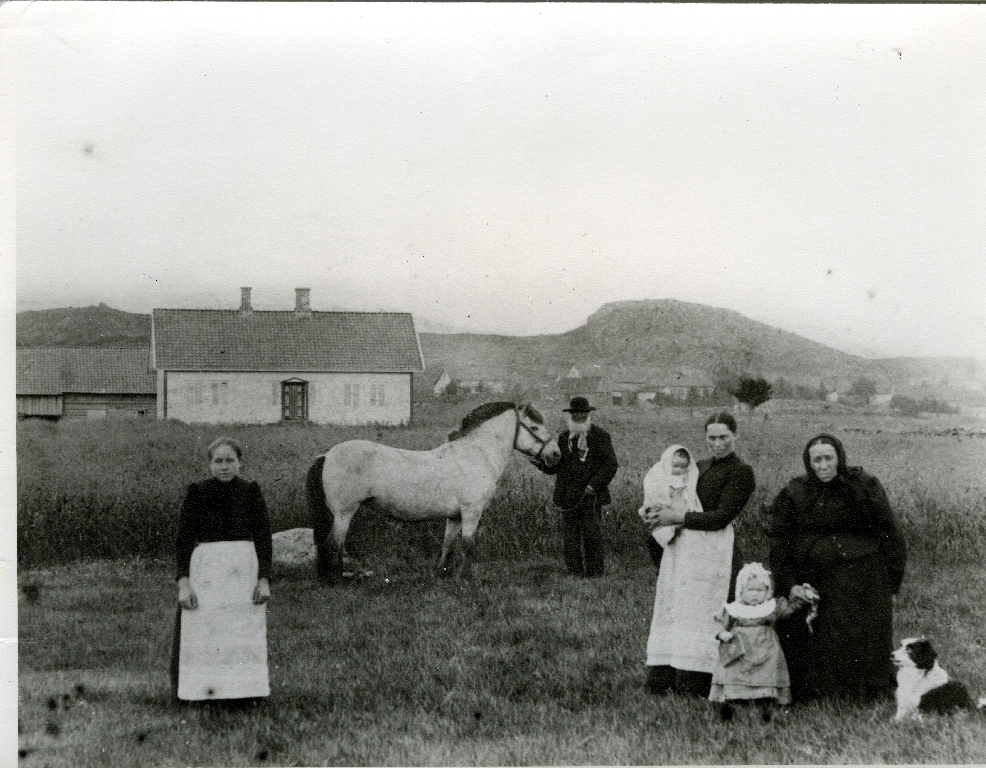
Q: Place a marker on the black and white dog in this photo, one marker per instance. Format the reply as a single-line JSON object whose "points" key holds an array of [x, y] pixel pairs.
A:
{"points": [[922, 685]]}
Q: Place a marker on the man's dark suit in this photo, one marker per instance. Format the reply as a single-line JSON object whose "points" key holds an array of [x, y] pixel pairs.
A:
{"points": [[581, 488]]}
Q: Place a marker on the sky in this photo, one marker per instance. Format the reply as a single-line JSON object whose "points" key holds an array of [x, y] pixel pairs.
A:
{"points": [[508, 168]]}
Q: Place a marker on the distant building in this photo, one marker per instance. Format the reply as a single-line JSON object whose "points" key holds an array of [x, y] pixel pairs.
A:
{"points": [[882, 399], [681, 388], [442, 383], [84, 383], [574, 382], [470, 380], [262, 367], [624, 392]]}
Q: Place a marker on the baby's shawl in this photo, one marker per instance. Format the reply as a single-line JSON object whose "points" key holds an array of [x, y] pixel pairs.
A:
{"points": [[657, 489]]}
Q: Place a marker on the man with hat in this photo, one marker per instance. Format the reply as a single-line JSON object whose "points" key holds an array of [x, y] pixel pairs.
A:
{"points": [[587, 465]]}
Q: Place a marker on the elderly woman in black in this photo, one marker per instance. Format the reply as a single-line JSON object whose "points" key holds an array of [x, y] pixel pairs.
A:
{"points": [[833, 528]]}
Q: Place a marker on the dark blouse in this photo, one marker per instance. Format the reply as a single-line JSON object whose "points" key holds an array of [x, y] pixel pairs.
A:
{"points": [[724, 487], [218, 511]]}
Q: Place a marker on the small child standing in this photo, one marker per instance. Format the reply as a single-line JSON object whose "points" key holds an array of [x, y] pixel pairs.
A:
{"points": [[751, 663], [670, 484]]}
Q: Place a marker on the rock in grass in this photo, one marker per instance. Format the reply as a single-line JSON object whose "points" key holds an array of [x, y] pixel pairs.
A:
{"points": [[294, 547]]}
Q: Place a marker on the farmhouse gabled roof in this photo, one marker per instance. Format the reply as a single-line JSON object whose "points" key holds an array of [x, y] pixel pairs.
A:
{"points": [[84, 370], [229, 340]]}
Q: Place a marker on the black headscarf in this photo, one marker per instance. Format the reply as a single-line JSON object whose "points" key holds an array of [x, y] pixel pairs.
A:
{"points": [[840, 454]]}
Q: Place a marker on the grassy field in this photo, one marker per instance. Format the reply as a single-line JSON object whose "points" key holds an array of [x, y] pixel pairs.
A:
{"points": [[522, 666]]}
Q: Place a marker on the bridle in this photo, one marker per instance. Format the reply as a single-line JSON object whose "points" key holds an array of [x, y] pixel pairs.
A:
{"points": [[541, 442]]}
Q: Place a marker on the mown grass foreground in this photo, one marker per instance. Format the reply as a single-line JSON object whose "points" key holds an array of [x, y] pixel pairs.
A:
{"points": [[523, 665]]}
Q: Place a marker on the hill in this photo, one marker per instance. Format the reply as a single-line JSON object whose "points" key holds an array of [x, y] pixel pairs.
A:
{"points": [[665, 337], [99, 326]]}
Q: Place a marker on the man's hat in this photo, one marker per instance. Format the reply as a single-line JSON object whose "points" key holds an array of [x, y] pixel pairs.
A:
{"points": [[578, 405]]}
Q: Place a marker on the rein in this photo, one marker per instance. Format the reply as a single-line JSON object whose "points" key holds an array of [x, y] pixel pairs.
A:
{"points": [[533, 434]]}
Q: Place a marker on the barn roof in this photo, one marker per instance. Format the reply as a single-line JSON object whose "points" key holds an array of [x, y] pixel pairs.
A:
{"points": [[231, 340], [84, 370]]}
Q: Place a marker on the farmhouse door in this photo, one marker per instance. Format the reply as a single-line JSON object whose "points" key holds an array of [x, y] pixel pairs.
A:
{"points": [[294, 400]]}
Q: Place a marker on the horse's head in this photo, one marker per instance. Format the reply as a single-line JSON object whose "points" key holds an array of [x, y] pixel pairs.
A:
{"points": [[533, 438]]}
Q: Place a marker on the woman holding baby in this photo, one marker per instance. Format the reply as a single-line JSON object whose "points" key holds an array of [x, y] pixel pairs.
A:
{"points": [[690, 506]]}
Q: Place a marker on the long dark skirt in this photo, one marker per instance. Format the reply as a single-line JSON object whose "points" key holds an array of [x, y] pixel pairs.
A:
{"points": [[848, 653], [175, 652]]}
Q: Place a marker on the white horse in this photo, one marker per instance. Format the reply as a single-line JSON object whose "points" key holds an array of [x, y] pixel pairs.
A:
{"points": [[456, 480]]}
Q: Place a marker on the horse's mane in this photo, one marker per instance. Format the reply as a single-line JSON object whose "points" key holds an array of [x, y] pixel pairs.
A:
{"points": [[483, 413]]}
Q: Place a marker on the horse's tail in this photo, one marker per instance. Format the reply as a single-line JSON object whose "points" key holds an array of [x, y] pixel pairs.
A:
{"points": [[321, 517]]}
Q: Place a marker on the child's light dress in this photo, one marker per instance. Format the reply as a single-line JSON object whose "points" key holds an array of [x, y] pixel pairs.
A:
{"points": [[752, 664]]}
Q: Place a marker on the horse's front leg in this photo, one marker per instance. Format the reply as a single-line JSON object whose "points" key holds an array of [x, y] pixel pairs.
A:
{"points": [[453, 529], [470, 524]]}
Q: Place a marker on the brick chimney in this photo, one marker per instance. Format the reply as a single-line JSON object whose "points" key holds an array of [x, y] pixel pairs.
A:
{"points": [[302, 303], [245, 308]]}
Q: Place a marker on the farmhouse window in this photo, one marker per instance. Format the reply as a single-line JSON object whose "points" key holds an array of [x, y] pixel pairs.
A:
{"points": [[378, 394], [294, 400], [350, 394]]}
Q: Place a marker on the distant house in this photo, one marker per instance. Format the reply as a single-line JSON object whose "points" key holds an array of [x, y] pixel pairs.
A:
{"points": [[84, 383], [882, 399], [470, 380], [576, 383], [683, 386], [442, 383], [262, 367], [624, 391], [644, 384]]}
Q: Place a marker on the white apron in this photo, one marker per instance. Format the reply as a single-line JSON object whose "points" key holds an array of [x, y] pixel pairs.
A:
{"points": [[223, 651], [692, 587]]}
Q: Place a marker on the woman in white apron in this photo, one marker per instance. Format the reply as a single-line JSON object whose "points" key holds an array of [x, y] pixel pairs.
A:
{"points": [[696, 565], [224, 562]]}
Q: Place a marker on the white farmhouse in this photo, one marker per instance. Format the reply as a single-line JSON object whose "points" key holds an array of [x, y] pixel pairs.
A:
{"points": [[262, 367]]}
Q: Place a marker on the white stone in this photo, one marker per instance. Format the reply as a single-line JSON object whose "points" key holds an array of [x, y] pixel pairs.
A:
{"points": [[294, 547]]}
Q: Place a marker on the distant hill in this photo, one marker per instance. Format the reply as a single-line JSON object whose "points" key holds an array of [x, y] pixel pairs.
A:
{"points": [[426, 325], [663, 337], [668, 336], [99, 326]]}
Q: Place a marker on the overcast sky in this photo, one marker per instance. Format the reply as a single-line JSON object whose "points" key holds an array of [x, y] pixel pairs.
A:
{"points": [[509, 168]]}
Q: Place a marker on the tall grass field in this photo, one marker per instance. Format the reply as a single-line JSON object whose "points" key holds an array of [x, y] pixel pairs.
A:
{"points": [[521, 666]]}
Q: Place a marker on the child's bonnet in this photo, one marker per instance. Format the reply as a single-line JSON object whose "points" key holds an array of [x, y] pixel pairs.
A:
{"points": [[755, 573]]}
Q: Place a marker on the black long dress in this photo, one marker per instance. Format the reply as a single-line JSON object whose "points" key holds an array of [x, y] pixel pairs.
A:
{"points": [[218, 511], [841, 537]]}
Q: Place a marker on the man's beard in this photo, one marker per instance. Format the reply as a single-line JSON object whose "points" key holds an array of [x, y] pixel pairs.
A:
{"points": [[578, 428]]}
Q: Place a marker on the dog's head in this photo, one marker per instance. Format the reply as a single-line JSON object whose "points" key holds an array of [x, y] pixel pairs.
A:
{"points": [[915, 652]]}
